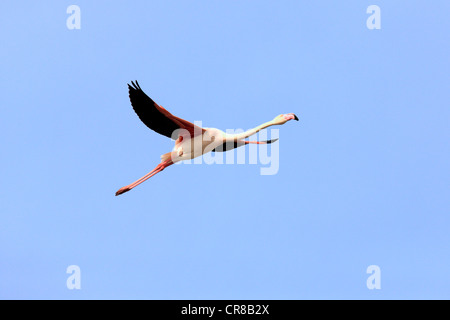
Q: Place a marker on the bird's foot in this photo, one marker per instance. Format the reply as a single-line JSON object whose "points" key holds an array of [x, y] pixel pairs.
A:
{"points": [[122, 190]]}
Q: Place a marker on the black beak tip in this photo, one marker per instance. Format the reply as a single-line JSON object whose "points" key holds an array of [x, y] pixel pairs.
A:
{"points": [[295, 117]]}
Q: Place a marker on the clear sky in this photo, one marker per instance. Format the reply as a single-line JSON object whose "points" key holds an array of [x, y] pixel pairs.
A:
{"points": [[363, 177]]}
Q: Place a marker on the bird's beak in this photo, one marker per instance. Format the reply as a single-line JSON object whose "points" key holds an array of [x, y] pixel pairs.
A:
{"points": [[295, 117]]}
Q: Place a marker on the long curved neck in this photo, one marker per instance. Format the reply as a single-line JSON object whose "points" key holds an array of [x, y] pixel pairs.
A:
{"points": [[251, 132]]}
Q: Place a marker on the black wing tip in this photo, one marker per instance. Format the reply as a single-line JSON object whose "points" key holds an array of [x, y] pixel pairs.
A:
{"points": [[134, 86], [272, 141]]}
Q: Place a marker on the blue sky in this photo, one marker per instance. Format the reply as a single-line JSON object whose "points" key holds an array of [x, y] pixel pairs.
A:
{"points": [[363, 176]]}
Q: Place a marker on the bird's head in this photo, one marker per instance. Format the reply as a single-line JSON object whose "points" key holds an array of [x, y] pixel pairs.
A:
{"points": [[283, 118]]}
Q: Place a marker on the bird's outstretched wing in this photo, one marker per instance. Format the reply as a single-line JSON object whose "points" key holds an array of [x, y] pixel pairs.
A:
{"points": [[156, 117]]}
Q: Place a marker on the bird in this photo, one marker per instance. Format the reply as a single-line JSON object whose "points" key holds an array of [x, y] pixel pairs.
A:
{"points": [[191, 141]]}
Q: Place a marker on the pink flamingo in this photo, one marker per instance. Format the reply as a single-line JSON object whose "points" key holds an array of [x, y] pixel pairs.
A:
{"points": [[190, 140]]}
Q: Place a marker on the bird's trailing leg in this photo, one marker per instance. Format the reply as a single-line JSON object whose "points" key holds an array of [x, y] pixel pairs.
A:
{"points": [[160, 167]]}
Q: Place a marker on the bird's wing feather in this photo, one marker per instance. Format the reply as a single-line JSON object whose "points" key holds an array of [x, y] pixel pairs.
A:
{"points": [[156, 117]]}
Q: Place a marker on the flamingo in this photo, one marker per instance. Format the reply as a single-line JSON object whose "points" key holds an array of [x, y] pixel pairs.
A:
{"points": [[190, 140]]}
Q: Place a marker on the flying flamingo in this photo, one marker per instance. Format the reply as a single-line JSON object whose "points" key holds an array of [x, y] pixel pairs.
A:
{"points": [[190, 140]]}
